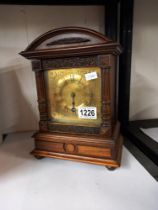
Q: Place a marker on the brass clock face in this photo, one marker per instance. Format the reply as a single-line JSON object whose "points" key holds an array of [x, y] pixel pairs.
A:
{"points": [[74, 96]]}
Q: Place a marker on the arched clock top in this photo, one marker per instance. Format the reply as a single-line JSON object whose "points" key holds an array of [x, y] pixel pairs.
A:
{"points": [[70, 41]]}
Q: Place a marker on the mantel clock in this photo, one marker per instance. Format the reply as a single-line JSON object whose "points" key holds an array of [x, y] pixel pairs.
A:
{"points": [[76, 77]]}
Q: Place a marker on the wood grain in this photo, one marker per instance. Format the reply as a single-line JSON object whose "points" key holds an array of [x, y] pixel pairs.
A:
{"points": [[57, 49]]}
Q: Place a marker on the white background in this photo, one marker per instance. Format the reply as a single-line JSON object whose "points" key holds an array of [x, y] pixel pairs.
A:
{"points": [[144, 77], [19, 25]]}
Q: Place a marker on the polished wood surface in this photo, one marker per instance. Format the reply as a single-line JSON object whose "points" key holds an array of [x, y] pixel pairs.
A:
{"points": [[97, 44], [115, 162], [71, 48]]}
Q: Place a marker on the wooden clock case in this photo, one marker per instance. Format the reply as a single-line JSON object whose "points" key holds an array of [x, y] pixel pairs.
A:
{"points": [[71, 47]]}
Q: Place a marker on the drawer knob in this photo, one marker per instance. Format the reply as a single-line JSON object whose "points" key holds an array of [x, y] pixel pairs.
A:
{"points": [[69, 148]]}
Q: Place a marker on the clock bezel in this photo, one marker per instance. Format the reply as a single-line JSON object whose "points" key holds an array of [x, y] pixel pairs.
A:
{"points": [[57, 81]]}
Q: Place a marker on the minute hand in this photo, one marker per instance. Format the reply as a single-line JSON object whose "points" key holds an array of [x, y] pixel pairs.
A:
{"points": [[73, 102]]}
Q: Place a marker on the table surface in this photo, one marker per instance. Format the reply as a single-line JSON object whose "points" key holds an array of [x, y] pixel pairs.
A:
{"points": [[28, 183]]}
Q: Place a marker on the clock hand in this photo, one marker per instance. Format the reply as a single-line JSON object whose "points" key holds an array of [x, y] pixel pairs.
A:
{"points": [[73, 102]]}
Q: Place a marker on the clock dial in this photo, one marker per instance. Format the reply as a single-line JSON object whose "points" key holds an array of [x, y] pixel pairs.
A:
{"points": [[74, 95]]}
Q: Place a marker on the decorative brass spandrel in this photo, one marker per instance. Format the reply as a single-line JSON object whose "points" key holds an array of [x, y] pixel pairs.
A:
{"points": [[67, 90]]}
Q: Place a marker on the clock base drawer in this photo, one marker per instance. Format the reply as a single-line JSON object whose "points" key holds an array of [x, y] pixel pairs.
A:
{"points": [[91, 149], [69, 148], [113, 162]]}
